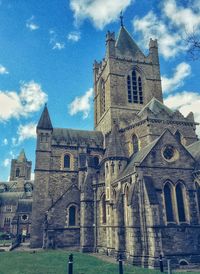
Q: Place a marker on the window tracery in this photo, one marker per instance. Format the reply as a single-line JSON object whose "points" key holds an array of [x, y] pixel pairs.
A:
{"points": [[135, 87]]}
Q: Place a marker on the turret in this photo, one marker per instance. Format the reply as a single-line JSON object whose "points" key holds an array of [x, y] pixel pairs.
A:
{"points": [[20, 167], [110, 44], [44, 131], [115, 159], [153, 51], [42, 168]]}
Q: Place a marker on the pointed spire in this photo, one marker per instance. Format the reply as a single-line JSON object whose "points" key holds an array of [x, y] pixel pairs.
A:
{"points": [[22, 156], [125, 43], [45, 121], [121, 19], [114, 148]]}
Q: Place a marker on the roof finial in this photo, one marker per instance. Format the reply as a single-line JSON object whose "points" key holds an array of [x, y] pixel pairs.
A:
{"points": [[121, 18]]}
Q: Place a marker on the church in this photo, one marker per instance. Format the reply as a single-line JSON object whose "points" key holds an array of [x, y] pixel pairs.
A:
{"points": [[131, 185]]}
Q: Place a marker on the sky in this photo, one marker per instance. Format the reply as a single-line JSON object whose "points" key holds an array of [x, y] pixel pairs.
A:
{"points": [[47, 50]]}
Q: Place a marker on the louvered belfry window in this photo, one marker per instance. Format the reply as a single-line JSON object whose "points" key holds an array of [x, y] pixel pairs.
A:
{"points": [[134, 88]]}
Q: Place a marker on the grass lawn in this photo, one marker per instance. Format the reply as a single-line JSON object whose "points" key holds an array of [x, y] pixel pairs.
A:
{"points": [[55, 262]]}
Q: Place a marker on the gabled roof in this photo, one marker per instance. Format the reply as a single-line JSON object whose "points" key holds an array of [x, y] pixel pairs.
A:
{"points": [[138, 157], [77, 136], [155, 106], [194, 149], [125, 43], [114, 147], [45, 121], [22, 157]]}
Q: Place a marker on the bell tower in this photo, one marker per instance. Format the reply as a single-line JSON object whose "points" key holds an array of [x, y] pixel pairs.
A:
{"points": [[124, 81]]}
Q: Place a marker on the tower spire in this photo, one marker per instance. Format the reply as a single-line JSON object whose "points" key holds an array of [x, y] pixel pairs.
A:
{"points": [[121, 19]]}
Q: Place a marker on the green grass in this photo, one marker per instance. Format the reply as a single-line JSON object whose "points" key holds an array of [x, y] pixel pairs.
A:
{"points": [[55, 262]]}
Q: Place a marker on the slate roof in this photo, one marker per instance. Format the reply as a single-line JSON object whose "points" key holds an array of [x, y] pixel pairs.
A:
{"points": [[137, 157], [155, 106], [78, 136], [194, 149], [45, 121], [22, 156], [114, 147], [125, 43]]}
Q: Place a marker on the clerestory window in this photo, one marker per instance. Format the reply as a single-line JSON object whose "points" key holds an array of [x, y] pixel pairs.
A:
{"points": [[66, 161]]}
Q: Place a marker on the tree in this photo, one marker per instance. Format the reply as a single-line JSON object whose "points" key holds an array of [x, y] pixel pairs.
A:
{"points": [[193, 45]]}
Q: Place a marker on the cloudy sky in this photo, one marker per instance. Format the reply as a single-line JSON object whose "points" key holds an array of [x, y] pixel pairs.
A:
{"points": [[47, 50]]}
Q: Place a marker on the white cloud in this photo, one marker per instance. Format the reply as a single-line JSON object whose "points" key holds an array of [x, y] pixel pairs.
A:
{"points": [[3, 70], [171, 26], [187, 18], [74, 36], [99, 12], [6, 162], [150, 26], [56, 45], [26, 132], [31, 25], [14, 105], [14, 141], [5, 141], [186, 102], [182, 71], [81, 104]]}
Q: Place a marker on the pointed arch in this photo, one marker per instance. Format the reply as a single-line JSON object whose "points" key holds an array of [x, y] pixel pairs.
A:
{"points": [[135, 143], [126, 208], [103, 208], [72, 215], [140, 91], [102, 97], [198, 196], [134, 87], [180, 191], [17, 172], [168, 192], [66, 161]]}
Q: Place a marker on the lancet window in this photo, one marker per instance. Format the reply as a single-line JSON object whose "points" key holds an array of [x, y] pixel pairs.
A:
{"points": [[135, 88]]}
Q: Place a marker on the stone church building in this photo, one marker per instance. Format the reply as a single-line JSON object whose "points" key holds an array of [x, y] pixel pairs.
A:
{"points": [[132, 185], [16, 198]]}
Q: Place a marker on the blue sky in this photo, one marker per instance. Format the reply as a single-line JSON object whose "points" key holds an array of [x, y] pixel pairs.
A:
{"points": [[47, 50]]}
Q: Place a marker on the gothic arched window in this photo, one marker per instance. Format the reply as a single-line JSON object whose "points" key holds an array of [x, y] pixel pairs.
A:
{"points": [[102, 97], [66, 161], [126, 193], [180, 202], [72, 215], [135, 143], [134, 88], [103, 206], [198, 196], [96, 161], [17, 172], [168, 203]]}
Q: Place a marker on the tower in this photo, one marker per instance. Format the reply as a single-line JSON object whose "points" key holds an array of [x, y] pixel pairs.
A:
{"points": [[20, 167], [124, 81], [42, 167]]}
